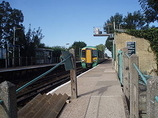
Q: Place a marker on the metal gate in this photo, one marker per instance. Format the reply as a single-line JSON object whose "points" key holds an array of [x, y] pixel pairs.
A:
{"points": [[120, 66]]}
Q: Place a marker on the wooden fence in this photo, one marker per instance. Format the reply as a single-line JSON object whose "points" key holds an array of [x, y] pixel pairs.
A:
{"points": [[131, 75]]}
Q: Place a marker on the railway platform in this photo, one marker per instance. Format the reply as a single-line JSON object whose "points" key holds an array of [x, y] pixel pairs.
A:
{"points": [[99, 95]]}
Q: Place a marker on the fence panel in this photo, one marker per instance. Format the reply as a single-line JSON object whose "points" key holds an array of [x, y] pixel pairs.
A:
{"points": [[152, 98], [133, 87], [126, 79]]}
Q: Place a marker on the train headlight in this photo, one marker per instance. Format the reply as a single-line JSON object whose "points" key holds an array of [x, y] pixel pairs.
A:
{"points": [[94, 60], [83, 60]]}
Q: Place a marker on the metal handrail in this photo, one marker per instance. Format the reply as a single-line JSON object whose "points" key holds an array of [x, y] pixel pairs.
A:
{"points": [[127, 55], [156, 98], [42, 75], [141, 75]]}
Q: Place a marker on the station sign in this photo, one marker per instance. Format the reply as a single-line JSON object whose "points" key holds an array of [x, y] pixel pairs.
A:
{"points": [[68, 63], [131, 48]]}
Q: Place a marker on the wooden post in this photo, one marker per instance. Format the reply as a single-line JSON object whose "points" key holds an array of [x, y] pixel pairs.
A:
{"points": [[152, 101], [8, 109], [126, 80], [73, 76], [133, 87]]}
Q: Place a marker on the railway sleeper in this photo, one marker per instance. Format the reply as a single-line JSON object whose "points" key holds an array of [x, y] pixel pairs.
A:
{"points": [[43, 106]]}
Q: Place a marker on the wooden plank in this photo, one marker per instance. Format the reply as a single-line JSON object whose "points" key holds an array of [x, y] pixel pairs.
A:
{"points": [[61, 103], [40, 110], [51, 103], [45, 109], [57, 108], [52, 107], [43, 106], [52, 114], [34, 108], [28, 106]]}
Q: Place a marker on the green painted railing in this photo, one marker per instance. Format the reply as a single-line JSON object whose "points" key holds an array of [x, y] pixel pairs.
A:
{"points": [[156, 98], [141, 75], [120, 66], [127, 55], [42, 75]]}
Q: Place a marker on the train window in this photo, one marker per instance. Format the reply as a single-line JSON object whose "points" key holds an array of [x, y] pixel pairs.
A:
{"points": [[83, 53], [94, 53]]}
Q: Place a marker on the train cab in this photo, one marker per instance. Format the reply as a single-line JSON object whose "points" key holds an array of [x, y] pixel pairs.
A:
{"points": [[89, 57]]}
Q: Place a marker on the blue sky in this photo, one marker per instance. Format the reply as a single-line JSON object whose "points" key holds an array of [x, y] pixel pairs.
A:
{"points": [[67, 21]]}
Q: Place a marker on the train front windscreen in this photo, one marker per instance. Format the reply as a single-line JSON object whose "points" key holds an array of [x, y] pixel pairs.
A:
{"points": [[83, 53], [94, 53]]}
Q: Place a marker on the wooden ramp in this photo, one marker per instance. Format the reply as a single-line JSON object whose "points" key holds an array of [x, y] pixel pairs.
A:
{"points": [[43, 106]]}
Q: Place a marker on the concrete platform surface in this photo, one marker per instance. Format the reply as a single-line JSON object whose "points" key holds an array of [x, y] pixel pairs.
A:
{"points": [[99, 95]]}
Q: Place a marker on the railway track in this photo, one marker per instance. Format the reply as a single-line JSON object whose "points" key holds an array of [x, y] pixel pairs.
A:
{"points": [[44, 85]]}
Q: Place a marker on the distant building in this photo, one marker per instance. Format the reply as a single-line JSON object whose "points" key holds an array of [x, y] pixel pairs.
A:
{"points": [[44, 56]]}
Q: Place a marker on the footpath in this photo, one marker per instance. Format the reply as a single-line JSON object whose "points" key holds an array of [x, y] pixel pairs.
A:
{"points": [[99, 95]]}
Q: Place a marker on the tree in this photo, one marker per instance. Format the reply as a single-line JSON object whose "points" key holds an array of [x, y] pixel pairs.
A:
{"points": [[32, 41], [12, 30], [37, 36], [77, 46], [135, 20], [150, 8], [101, 47], [9, 19], [109, 44], [12, 33], [109, 24], [57, 50]]}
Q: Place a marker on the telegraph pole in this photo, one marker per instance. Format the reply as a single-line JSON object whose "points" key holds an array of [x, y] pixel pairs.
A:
{"points": [[13, 47]]}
